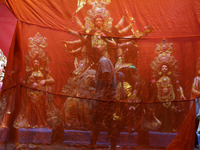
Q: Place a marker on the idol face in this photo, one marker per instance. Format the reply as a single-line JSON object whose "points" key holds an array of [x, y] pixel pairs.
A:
{"points": [[36, 64], [165, 90], [99, 22], [164, 68]]}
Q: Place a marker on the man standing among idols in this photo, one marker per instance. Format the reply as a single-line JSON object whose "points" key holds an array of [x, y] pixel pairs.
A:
{"points": [[104, 106]]}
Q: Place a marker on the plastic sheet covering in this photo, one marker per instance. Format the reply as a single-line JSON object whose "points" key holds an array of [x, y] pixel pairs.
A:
{"points": [[104, 74]]}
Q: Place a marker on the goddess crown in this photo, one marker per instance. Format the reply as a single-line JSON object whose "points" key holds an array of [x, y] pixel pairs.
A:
{"points": [[3, 63], [98, 9], [164, 51], [37, 43], [164, 46], [91, 2], [3, 58]]}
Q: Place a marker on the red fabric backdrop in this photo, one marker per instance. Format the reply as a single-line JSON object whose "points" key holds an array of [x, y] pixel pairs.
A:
{"points": [[177, 21], [7, 26]]}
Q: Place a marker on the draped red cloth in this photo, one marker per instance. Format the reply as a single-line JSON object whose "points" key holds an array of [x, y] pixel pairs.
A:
{"points": [[8, 23], [177, 21]]}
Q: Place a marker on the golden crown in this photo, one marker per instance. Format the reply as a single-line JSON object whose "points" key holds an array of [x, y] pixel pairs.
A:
{"points": [[37, 41], [164, 50], [3, 58], [3, 63], [164, 46], [92, 2], [100, 10]]}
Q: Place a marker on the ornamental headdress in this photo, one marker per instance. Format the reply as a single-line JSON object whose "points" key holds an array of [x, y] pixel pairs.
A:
{"points": [[164, 51], [3, 58], [98, 10], [37, 44], [3, 63]]}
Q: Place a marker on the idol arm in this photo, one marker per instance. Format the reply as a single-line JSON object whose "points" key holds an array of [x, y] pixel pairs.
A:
{"points": [[80, 24], [120, 23]]}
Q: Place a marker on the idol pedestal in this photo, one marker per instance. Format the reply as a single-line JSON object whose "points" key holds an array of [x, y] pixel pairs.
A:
{"points": [[4, 135], [160, 139], [82, 138], [76, 137], [34, 135]]}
